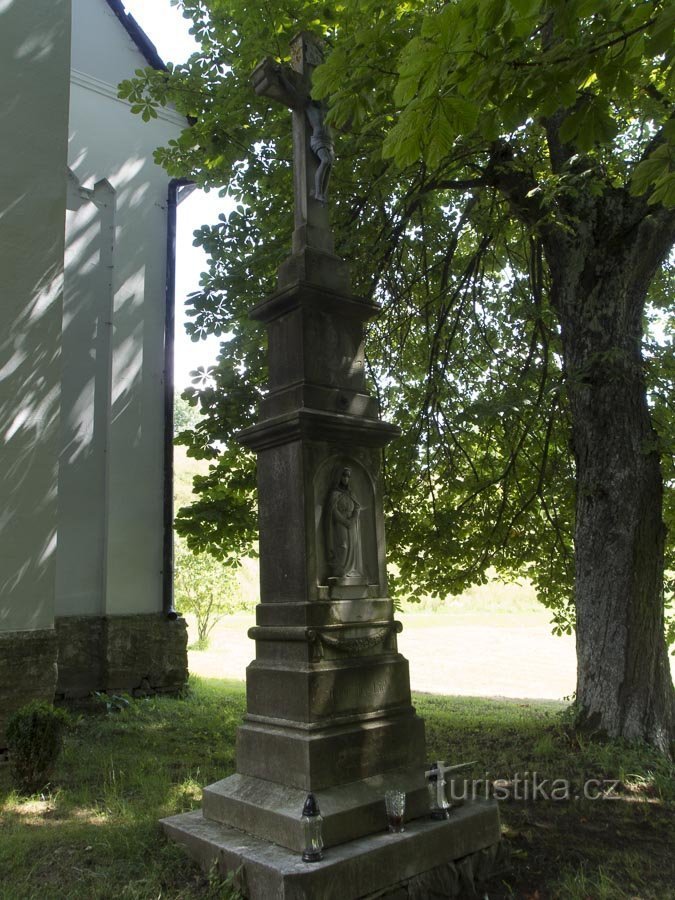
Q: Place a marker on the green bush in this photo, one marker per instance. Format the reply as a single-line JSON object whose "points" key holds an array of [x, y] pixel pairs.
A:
{"points": [[207, 588], [35, 739]]}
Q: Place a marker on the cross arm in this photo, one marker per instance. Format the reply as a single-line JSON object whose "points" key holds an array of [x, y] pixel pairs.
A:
{"points": [[280, 83], [441, 768]]}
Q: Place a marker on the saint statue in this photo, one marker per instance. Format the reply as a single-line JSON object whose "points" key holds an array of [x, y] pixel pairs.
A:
{"points": [[343, 537]]}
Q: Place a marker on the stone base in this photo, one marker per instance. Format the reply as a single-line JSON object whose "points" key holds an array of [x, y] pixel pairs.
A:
{"points": [[316, 760], [429, 859], [270, 811], [27, 671], [135, 654]]}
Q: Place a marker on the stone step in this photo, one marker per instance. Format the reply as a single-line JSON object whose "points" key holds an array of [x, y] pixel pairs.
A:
{"points": [[351, 871], [272, 811]]}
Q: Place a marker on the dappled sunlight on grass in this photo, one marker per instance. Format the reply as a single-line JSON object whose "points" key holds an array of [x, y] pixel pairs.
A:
{"points": [[97, 832], [28, 809], [43, 813], [185, 796]]}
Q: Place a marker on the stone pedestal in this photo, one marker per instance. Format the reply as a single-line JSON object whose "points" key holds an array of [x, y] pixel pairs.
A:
{"points": [[328, 695], [429, 859]]}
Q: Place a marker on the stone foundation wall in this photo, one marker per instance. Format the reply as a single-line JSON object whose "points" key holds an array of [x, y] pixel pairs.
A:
{"points": [[145, 653], [27, 671], [132, 654], [81, 663]]}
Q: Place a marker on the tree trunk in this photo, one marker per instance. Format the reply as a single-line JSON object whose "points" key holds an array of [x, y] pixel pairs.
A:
{"points": [[600, 277]]}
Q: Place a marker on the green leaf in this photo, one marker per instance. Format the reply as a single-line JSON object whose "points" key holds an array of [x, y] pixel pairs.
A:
{"points": [[526, 8], [654, 170], [461, 114], [664, 191], [661, 33], [466, 355], [589, 126], [490, 13]]}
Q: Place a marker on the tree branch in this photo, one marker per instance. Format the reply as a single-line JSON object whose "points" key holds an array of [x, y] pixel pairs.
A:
{"points": [[515, 184], [622, 38]]}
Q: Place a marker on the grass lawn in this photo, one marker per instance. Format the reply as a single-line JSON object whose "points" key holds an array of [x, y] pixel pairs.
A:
{"points": [[94, 833]]}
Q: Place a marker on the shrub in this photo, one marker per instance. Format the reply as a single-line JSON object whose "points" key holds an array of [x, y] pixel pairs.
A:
{"points": [[35, 739], [207, 588]]}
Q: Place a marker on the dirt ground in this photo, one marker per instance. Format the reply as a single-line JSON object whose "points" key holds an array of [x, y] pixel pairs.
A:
{"points": [[483, 655]]}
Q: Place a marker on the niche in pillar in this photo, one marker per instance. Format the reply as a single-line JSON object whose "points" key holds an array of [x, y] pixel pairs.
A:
{"points": [[346, 530]]}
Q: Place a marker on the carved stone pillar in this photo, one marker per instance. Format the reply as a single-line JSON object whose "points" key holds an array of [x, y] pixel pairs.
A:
{"points": [[328, 695]]}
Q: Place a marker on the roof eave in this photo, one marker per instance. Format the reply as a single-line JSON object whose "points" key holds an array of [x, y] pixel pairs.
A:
{"points": [[137, 35]]}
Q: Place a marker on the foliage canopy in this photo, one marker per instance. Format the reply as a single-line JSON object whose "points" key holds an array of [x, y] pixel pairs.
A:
{"points": [[447, 175]]}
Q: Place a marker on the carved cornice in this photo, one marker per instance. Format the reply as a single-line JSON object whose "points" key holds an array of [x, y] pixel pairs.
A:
{"points": [[312, 424], [372, 635], [90, 83], [309, 296]]}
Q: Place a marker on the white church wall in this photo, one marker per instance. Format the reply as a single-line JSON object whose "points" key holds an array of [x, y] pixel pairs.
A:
{"points": [[34, 65], [122, 500], [34, 74]]}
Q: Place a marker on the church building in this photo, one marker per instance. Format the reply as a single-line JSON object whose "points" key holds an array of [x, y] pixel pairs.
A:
{"points": [[87, 230]]}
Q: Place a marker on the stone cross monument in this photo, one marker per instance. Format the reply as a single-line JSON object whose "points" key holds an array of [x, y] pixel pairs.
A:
{"points": [[313, 256], [328, 695]]}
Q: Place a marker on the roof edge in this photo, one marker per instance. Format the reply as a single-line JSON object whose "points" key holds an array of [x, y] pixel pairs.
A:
{"points": [[137, 35]]}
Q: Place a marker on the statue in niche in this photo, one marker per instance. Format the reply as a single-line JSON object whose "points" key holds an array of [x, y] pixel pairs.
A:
{"points": [[343, 532]]}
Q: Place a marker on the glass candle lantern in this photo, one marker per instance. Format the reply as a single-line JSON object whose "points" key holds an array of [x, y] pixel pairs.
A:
{"points": [[312, 823], [394, 802]]}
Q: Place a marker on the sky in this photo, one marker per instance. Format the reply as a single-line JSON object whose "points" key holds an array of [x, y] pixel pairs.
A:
{"points": [[169, 32]]}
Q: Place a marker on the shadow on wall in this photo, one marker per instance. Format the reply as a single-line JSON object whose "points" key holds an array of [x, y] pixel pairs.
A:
{"points": [[81, 351], [27, 415], [112, 417], [33, 123]]}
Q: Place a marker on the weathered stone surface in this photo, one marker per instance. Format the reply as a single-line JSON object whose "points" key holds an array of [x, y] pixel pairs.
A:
{"points": [[145, 653], [336, 612], [443, 881], [313, 267], [302, 319], [27, 671], [294, 647], [315, 760], [328, 695], [141, 653], [460, 879], [326, 692], [314, 396], [359, 869], [81, 663]]}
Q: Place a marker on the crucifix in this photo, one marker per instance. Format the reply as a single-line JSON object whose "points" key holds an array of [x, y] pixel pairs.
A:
{"points": [[313, 153], [440, 807]]}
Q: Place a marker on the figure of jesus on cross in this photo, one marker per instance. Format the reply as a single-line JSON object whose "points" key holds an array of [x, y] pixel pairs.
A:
{"points": [[313, 154]]}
